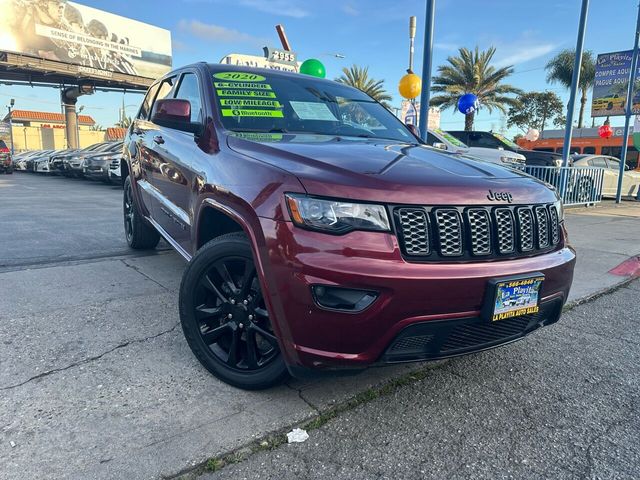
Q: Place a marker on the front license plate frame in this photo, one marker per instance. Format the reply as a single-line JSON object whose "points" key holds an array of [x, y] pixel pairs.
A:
{"points": [[514, 296]]}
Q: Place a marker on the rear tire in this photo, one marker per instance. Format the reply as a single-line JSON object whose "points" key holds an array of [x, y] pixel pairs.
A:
{"points": [[224, 318], [139, 234]]}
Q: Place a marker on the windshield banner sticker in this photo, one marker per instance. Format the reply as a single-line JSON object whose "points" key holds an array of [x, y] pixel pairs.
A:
{"points": [[313, 111], [244, 102], [245, 93], [239, 77], [255, 86], [252, 95], [236, 112]]}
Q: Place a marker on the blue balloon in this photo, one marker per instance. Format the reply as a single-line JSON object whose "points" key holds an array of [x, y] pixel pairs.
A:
{"points": [[468, 103]]}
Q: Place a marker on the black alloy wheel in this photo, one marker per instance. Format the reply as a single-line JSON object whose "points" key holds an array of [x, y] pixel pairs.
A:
{"points": [[224, 316]]}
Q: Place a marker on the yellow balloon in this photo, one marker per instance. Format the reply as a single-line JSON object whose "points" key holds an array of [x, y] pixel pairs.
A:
{"points": [[410, 86]]}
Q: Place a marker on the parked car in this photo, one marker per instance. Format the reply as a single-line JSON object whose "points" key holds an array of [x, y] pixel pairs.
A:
{"points": [[97, 166], [6, 162], [322, 234], [57, 159], [44, 163], [477, 138], [441, 139], [611, 165], [73, 163], [33, 160]]}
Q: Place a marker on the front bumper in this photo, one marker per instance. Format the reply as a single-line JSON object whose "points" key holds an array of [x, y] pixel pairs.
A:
{"points": [[438, 296]]}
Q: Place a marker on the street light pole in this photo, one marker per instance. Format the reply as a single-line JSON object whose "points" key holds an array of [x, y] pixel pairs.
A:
{"points": [[628, 111], [427, 56], [412, 37], [78, 112], [12, 102]]}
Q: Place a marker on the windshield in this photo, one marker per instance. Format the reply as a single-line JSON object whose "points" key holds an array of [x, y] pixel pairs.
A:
{"points": [[506, 141], [450, 138], [250, 102]]}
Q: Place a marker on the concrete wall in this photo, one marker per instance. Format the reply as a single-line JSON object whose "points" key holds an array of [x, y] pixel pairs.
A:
{"points": [[36, 138]]}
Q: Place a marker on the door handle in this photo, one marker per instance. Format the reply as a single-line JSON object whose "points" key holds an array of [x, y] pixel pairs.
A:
{"points": [[158, 139]]}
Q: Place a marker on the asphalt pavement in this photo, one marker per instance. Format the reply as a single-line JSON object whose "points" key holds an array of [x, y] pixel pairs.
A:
{"points": [[97, 381], [564, 404]]}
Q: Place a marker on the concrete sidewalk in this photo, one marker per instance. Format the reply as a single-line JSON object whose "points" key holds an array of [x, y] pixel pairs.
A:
{"points": [[96, 380]]}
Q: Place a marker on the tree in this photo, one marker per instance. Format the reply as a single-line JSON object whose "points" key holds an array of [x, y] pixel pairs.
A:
{"points": [[96, 128], [358, 77], [535, 109], [560, 69], [125, 122], [472, 72]]}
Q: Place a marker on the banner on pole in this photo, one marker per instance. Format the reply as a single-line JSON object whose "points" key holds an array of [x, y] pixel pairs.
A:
{"points": [[610, 85]]}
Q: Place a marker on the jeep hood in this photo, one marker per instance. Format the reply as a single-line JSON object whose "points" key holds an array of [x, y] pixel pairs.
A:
{"points": [[388, 171]]}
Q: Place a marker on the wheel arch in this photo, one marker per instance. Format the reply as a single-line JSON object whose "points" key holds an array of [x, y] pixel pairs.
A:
{"points": [[251, 227]]}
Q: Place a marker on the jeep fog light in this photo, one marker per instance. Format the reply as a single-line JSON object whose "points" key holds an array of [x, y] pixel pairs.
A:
{"points": [[343, 299]]}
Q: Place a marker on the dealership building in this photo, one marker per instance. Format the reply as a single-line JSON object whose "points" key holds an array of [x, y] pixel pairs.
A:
{"points": [[33, 130]]}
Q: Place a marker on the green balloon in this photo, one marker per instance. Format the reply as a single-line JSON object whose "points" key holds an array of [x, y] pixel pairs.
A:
{"points": [[313, 67]]}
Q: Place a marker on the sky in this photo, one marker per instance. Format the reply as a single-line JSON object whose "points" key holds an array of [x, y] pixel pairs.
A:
{"points": [[371, 33]]}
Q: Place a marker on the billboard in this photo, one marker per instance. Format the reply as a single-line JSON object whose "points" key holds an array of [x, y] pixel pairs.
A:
{"points": [[99, 43], [610, 85]]}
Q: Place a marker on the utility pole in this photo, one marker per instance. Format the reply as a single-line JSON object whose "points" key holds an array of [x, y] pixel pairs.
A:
{"points": [[12, 102]]}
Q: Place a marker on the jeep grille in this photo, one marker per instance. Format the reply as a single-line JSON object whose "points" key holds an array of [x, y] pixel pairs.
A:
{"points": [[439, 233]]}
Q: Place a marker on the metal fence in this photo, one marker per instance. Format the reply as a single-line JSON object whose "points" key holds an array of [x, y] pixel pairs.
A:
{"points": [[584, 184]]}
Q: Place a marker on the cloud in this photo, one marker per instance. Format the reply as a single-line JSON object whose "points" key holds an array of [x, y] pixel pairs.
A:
{"points": [[208, 31], [288, 8], [350, 10], [525, 53], [448, 47]]}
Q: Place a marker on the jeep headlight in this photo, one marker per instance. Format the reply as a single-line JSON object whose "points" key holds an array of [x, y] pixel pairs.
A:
{"points": [[336, 216]]}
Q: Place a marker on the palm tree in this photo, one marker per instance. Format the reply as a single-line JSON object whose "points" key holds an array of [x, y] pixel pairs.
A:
{"points": [[472, 72], [358, 77], [560, 69], [124, 122]]}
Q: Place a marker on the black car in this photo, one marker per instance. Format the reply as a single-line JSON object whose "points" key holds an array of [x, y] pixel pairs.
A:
{"points": [[97, 165], [476, 138], [6, 165]]}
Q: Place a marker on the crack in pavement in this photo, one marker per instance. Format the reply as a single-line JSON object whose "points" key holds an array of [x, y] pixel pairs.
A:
{"points": [[138, 270], [90, 359], [311, 405]]}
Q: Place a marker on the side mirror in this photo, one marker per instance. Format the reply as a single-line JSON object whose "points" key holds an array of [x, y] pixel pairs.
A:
{"points": [[441, 146], [175, 113], [413, 129]]}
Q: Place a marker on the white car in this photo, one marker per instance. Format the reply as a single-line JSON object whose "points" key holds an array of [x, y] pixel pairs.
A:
{"points": [[441, 139], [611, 165]]}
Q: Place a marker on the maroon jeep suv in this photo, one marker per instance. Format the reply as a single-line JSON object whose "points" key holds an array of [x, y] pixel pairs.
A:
{"points": [[322, 235]]}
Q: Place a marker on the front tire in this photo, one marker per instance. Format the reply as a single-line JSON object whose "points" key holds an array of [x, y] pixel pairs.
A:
{"points": [[139, 234], [224, 317]]}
